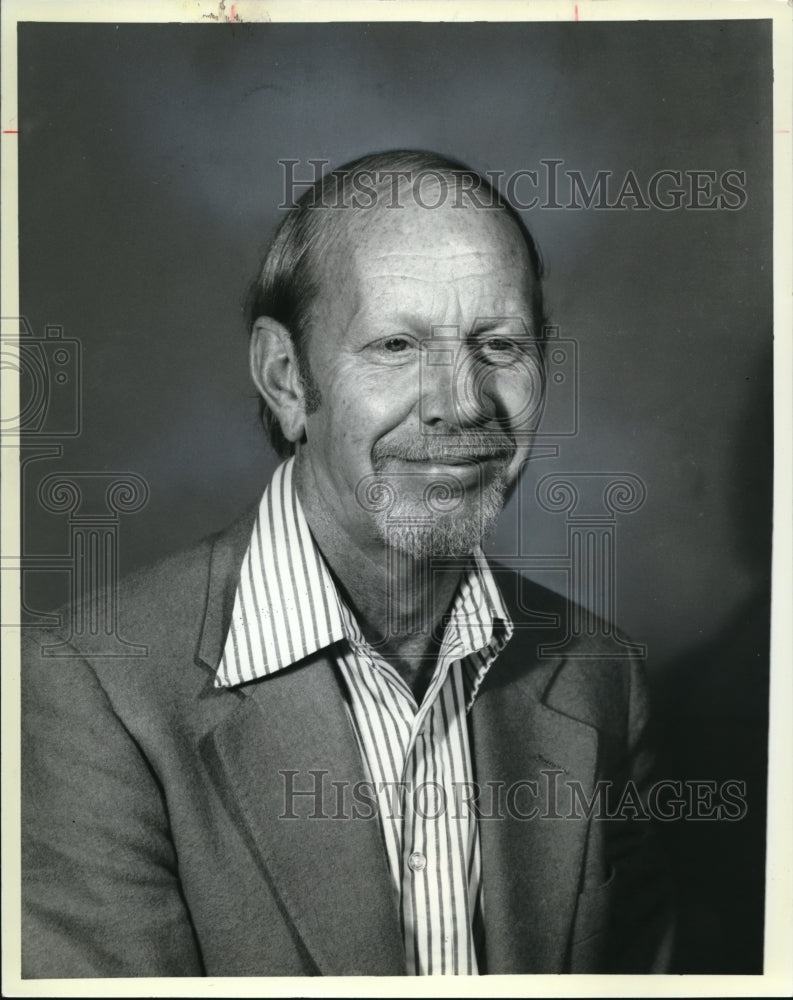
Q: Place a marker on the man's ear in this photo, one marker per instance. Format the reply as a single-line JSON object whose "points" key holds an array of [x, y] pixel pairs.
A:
{"points": [[275, 372]]}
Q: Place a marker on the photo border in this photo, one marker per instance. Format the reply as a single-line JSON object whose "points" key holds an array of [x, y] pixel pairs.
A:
{"points": [[777, 978]]}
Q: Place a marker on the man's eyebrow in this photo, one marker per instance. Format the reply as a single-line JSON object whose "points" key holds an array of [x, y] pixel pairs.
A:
{"points": [[487, 325], [484, 325]]}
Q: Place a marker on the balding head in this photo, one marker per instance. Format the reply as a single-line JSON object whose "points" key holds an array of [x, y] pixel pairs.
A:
{"points": [[368, 203]]}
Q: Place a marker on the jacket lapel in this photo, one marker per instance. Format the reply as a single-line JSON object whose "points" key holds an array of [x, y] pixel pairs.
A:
{"points": [[531, 856], [323, 852], [228, 551]]}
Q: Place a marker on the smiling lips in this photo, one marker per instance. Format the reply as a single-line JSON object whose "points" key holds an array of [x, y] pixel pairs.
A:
{"points": [[464, 469], [458, 461], [451, 452]]}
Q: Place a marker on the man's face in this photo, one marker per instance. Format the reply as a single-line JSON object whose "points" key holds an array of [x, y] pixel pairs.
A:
{"points": [[421, 348]]}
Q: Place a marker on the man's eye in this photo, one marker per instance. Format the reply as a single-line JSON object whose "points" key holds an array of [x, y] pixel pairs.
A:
{"points": [[396, 345], [499, 350]]}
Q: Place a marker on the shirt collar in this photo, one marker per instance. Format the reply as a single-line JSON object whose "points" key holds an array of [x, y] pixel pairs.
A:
{"points": [[287, 606]]}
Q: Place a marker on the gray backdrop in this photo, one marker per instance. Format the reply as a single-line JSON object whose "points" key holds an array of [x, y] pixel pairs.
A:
{"points": [[149, 182]]}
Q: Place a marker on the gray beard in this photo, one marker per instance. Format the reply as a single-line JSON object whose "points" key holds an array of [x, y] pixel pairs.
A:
{"points": [[419, 530]]}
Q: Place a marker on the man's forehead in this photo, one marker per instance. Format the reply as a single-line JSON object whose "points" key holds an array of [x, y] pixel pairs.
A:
{"points": [[419, 299], [451, 244], [439, 263], [450, 261], [462, 281]]}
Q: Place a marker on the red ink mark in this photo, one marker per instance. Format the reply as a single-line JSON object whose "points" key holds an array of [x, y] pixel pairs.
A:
{"points": [[233, 13], [10, 131], [781, 131], [575, 15]]}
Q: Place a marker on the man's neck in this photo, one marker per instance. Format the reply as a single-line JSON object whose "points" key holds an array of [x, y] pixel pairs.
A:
{"points": [[400, 606], [399, 601]]}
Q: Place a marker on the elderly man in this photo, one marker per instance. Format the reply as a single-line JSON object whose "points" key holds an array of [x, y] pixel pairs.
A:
{"points": [[345, 753]]}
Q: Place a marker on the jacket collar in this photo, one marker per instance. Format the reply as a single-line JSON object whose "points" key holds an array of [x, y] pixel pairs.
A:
{"points": [[228, 549]]}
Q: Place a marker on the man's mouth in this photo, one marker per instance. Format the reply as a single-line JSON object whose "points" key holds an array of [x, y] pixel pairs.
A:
{"points": [[450, 453], [458, 461], [453, 472]]}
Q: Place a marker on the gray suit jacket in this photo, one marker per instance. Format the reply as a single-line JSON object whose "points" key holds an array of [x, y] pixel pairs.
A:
{"points": [[154, 837]]}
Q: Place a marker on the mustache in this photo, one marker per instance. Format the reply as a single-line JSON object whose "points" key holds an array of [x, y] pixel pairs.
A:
{"points": [[463, 446]]}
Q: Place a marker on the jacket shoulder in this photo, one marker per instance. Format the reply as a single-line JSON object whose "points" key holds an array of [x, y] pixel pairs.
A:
{"points": [[152, 621], [574, 659]]}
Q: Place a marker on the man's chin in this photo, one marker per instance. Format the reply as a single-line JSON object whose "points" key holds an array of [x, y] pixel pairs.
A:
{"points": [[447, 539], [408, 528]]}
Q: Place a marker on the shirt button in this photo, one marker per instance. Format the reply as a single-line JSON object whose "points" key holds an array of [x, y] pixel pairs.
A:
{"points": [[417, 861]]}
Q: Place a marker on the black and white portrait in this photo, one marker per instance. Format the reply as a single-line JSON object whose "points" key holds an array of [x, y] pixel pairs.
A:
{"points": [[395, 425]]}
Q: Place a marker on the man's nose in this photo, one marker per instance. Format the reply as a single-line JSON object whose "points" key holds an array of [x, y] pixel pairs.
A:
{"points": [[450, 391]]}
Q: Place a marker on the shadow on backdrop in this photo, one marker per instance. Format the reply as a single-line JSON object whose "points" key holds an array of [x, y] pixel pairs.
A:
{"points": [[711, 707]]}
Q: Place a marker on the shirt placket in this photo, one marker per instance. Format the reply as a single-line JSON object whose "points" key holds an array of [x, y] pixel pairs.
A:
{"points": [[434, 894], [436, 853]]}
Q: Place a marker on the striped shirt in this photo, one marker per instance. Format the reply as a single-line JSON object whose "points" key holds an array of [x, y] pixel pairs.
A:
{"points": [[417, 757]]}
